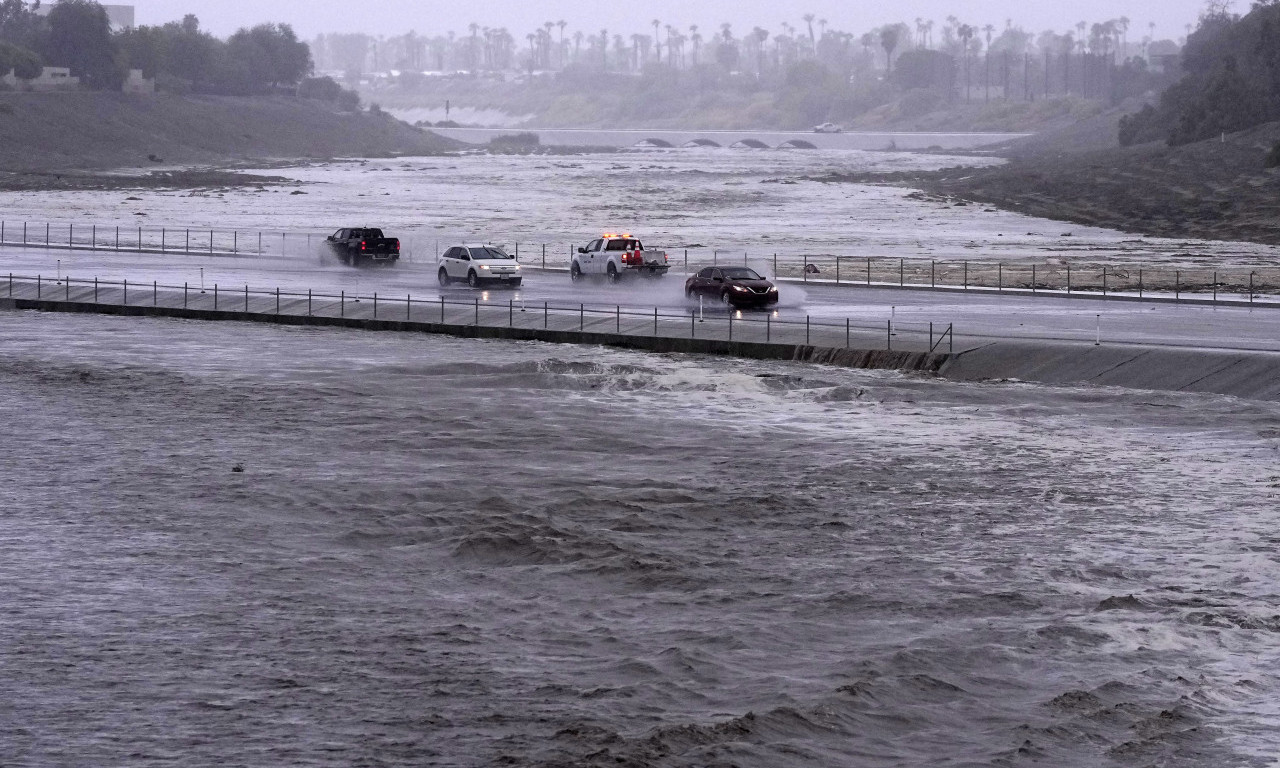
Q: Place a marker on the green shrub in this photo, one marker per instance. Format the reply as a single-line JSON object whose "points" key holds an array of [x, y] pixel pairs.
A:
{"points": [[1273, 157]]}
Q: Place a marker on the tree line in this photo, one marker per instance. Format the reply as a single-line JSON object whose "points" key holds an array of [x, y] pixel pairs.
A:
{"points": [[180, 56], [1231, 80]]}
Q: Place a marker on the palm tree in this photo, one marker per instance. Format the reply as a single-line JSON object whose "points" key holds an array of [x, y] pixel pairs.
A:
{"points": [[577, 44], [562, 24], [657, 41], [808, 19], [760, 36], [965, 33], [697, 42], [888, 41], [474, 27], [989, 29], [604, 49]]}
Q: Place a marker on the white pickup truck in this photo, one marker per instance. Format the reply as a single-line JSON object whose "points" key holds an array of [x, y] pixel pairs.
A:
{"points": [[613, 256]]}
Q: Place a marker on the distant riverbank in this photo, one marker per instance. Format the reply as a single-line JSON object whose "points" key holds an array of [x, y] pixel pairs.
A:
{"points": [[83, 132]]}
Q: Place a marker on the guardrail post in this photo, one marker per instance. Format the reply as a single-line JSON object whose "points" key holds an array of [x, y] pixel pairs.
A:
{"points": [[951, 338], [544, 255], [511, 313], [139, 239], [806, 330], [806, 268], [846, 333], [24, 233], [868, 270], [931, 338], [246, 298], [155, 293], [775, 265], [693, 324], [308, 302], [1139, 283], [655, 321], [546, 315], [39, 289], [186, 244], [1104, 280], [731, 325], [1177, 285], [1250, 286], [93, 236], [888, 335], [837, 270], [215, 297], [184, 295], [162, 233], [582, 317], [1215, 287], [126, 292], [478, 306], [933, 270], [902, 272], [408, 303], [259, 243], [617, 316], [1068, 278], [68, 289], [235, 241], [375, 305], [1000, 278], [277, 299], [342, 304], [1033, 278], [442, 310], [117, 238], [46, 234], [71, 236], [95, 289], [768, 329]]}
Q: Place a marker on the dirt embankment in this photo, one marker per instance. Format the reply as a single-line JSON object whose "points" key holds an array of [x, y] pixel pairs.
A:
{"points": [[78, 133], [1217, 190]]}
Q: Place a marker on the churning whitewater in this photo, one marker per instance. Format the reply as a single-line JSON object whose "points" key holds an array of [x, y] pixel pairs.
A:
{"points": [[237, 545]]}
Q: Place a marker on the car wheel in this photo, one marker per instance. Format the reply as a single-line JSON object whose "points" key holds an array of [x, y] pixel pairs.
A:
{"points": [[473, 279], [575, 272], [443, 276], [725, 300], [613, 274], [688, 292], [515, 283]]}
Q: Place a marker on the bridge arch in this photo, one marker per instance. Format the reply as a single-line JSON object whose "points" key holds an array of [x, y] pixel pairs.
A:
{"points": [[797, 144], [702, 143], [662, 143], [749, 144]]}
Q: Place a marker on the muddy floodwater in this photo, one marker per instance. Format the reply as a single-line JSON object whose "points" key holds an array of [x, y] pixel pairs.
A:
{"points": [[236, 545], [741, 203]]}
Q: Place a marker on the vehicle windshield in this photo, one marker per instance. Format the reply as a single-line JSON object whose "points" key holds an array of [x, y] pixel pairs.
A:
{"points": [[741, 273], [490, 253], [368, 233], [623, 245]]}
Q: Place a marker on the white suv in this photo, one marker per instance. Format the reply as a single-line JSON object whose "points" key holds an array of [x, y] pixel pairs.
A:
{"points": [[479, 265]]}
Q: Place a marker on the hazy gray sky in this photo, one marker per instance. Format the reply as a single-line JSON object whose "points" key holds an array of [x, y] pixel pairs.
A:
{"points": [[310, 17]]}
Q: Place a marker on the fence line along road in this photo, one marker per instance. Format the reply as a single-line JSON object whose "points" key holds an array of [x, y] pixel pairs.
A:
{"points": [[857, 344], [1256, 285]]}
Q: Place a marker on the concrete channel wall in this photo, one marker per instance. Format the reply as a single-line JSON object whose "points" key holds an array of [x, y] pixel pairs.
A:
{"points": [[1253, 375], [904, 360]]}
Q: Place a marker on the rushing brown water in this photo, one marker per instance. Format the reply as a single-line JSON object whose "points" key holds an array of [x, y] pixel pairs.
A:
{"points": [[238, 545]]}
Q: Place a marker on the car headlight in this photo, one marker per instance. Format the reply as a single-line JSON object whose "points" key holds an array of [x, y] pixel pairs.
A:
{"points": [[484, 266], [739, 287], [517, 266]]}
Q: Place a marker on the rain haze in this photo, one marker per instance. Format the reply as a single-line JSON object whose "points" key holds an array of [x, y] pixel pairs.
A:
{"points": [[568, 384], [382, 16]]}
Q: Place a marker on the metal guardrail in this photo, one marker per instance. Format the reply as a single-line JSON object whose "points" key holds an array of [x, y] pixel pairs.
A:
{"points": [[730, 326], [1259, 284]]}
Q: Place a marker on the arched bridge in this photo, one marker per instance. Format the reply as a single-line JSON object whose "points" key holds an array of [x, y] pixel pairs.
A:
{"points": [[741, 139]]}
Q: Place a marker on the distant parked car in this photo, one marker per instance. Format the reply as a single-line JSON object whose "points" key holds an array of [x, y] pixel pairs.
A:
{"points": [[732, 286], [479, 265], [827, 128]]}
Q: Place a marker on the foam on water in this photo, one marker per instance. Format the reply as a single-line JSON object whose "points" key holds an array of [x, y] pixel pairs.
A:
{"points": [[452, 552]]}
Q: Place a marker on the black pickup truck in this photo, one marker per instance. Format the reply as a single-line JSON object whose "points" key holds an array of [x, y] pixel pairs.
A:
{"points": [[363, 245]]}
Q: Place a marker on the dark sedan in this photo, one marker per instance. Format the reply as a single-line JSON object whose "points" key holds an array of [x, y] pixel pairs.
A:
{"points": [[732, 286]]}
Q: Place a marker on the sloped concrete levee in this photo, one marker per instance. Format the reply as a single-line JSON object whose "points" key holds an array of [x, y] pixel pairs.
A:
{"points": [[1248, 374]]}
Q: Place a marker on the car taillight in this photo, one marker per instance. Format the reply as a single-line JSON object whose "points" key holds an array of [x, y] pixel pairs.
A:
{"points": [[397, 244], [362, 245]]}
